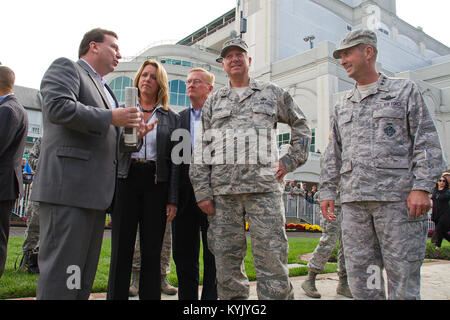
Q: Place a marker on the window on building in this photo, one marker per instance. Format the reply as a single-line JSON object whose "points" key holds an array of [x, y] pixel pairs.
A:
{"points": [[176, 62], [386, 32], [35, 130], [313, 141], [178, 94], [118, 86], [285, 138]]}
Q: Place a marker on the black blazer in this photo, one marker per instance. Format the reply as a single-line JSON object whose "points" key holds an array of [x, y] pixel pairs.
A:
{"points": [[13, 133], [166, 170], [185, 123], [186, 191]]}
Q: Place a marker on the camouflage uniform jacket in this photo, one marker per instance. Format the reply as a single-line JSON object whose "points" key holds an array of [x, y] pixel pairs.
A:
{"points": [[260, 107], [34, 154], [382, 146]]}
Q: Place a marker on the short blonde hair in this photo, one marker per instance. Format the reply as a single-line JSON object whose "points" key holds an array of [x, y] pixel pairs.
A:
{"points": [[161, 79], [208, 74]]}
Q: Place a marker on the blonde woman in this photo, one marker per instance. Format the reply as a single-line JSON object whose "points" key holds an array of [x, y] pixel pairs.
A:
{"points": [[146, 193]]}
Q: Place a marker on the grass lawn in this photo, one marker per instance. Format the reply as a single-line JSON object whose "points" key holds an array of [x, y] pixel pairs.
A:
{"points": [[16, 284]]}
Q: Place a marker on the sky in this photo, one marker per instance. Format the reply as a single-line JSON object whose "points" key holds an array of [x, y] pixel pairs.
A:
{"points": [[36, 32]]}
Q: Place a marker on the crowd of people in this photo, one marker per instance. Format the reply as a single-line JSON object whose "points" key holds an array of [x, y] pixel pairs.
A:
{"points": [[301, 189], [374, 184]]}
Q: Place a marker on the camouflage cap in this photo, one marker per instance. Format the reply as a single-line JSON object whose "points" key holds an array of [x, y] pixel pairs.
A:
{"points": [[235, 42], [353, 38]]}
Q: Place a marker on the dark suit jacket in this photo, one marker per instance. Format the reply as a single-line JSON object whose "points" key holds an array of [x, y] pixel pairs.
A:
{"points": [[186, 191], [78, 161], [13, 133]]}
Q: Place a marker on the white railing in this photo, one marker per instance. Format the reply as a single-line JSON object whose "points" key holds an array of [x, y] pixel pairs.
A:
{"points": [[21, 204]]}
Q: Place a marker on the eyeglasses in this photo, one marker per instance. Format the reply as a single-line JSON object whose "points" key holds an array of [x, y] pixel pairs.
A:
{"points": [[441, 180], [195, 82]]}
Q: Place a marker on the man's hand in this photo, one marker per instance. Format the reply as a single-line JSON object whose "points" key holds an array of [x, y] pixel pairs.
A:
{"points": [[327, 208], [126, 117], [145, 128], [171, 211], [418, 203], [281, 172], [207, 206]]}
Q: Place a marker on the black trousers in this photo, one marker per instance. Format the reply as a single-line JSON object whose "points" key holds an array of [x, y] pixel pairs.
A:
{"points": [[5, 211], [187, 227], [138, 200], [442, 229]]}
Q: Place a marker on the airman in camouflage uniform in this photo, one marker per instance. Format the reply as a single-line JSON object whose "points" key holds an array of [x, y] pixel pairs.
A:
{"points": [[385, 153], [228, 190], [31, 236], [331, 232]]}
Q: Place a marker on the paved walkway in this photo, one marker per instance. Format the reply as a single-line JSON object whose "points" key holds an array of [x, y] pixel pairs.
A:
{"points": [[435, 285]]}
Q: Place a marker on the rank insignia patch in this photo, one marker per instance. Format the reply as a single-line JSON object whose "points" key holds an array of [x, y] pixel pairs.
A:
{"points": [[389, 130]]}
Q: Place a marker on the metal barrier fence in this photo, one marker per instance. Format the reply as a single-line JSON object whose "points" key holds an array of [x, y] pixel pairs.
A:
{"points": [[21, 204], [296, 206]]}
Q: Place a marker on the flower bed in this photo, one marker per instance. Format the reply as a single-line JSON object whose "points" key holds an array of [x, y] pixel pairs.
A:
{"points": [[303, 227], [292, 227]]}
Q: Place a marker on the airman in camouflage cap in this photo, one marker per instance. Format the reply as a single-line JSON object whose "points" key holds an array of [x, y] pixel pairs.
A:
{"points": [[354, 38], [235, 42], [234, 191], [383, 156]]}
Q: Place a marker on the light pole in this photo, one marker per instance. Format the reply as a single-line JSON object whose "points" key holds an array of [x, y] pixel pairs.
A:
{"points": [[310, 39]]}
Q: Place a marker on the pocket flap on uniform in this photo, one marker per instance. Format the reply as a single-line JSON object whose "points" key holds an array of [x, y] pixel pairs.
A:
{"points": [[221, 114], [263, 109], [389, 113], [392, 163], [72, 152], [344, 117], [346, 167]]}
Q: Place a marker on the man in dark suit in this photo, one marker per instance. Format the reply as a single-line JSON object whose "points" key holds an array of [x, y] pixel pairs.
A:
{"points": [[13, 132], [190, 220], [78, 165]]}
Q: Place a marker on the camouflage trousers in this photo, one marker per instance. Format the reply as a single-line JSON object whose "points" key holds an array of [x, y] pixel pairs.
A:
{"points": [[31, 236], [227, 241], [331, 232], [379, 235], [166, 251]]}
